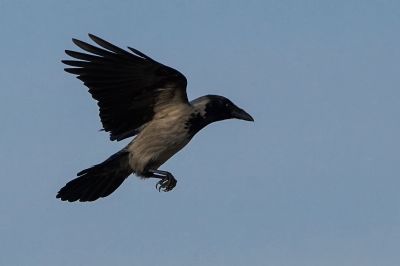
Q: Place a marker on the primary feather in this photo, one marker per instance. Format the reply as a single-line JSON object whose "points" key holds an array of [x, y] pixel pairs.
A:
{"points": [[126, 85]]}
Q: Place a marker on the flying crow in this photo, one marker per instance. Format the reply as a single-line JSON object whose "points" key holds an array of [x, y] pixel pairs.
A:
{"points": [[138, 96]]}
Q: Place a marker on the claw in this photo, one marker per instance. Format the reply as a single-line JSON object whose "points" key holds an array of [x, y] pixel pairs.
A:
{"points": [[166, 184], [159, 185], [167, 181]]}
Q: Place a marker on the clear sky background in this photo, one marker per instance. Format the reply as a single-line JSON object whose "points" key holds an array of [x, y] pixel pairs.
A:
{"points": [[314, 181]]}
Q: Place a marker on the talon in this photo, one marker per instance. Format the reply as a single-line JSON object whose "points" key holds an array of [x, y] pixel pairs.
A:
{"points": [[159, 185], [166, 184]]}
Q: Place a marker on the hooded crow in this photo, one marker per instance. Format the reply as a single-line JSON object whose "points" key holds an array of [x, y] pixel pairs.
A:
{"points": [[138, 96]]}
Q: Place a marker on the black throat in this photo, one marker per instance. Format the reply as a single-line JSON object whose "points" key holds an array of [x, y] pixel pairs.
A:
{"points": [[195, 123]]}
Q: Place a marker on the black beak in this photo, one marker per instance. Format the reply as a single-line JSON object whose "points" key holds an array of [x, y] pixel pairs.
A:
{"points": [[241, 114]]}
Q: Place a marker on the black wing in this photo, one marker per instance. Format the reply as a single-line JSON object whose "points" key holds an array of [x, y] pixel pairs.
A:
{"points": [[129, 87]]}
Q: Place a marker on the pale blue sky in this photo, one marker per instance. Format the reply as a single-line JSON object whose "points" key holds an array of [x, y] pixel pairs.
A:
{"points": [[314, 181]]}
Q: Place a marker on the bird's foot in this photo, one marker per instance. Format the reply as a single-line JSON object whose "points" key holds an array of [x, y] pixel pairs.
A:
{"points": [[167, 183]]}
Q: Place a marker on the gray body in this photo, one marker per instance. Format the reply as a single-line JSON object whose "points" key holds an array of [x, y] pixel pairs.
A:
{"points": [[160, 139]]}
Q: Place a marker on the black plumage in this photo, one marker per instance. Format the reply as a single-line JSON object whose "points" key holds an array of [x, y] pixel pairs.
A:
{"points": [[139, 96], [110, 71]]}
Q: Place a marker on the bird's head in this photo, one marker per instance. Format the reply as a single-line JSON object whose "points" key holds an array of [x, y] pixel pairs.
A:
{"points": [[220, 108]]}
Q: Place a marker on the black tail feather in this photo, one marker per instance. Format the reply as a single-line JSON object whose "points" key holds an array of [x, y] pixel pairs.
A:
{"points": [[98, 181]]}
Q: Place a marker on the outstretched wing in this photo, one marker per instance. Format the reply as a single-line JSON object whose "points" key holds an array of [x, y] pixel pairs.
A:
{"points": [[130, 87]]}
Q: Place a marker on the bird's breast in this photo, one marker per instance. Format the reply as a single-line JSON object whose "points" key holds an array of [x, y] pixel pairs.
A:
{"points": [[159, 140]]}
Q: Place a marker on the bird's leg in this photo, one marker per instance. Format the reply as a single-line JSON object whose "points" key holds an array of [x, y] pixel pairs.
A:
{"points": [[167, 182]]}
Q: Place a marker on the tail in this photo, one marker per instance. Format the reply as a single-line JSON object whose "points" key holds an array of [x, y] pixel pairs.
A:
{"points": [[98, 181]]}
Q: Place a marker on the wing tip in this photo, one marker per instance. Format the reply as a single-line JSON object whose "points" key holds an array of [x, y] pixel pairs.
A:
{"points": [[79, 43], [73, 70], [70, 52], [92, 36], [98, 40]]}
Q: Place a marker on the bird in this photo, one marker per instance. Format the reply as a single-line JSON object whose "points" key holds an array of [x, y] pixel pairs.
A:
{"points": [[141, 98]]}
